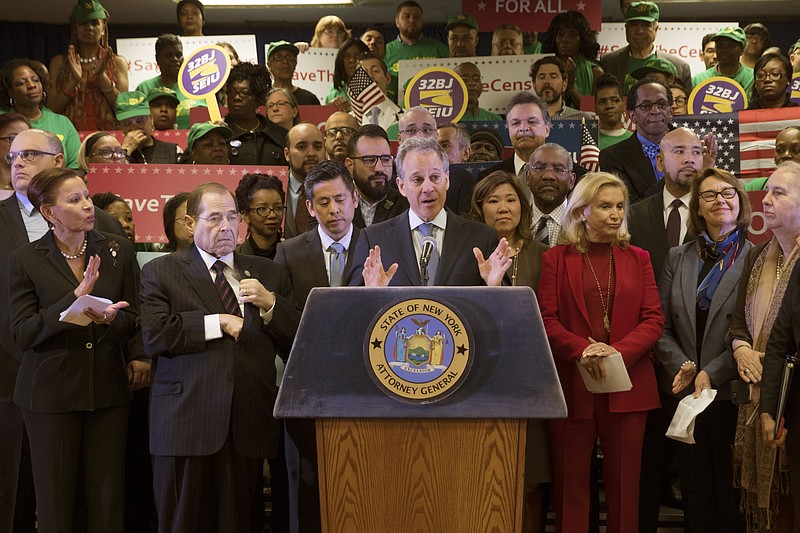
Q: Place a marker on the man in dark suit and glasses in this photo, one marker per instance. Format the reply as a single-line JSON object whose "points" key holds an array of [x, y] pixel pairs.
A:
{"points": [[463, 252], [318, 258], [657, 224], [20, 223], [215, 320], [377, 200]]}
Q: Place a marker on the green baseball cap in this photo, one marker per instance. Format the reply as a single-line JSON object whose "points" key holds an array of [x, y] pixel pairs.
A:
{"points": [[646, 11], [87, 10], [162, 92], [281, 45], [656, 64], [464, 19], [734, 34], [794, 47], [131, 104], [201, 129]]}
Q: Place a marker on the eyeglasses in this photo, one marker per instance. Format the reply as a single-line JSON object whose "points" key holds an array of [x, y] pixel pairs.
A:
{"points": [[512, 43], [241, 94], [372, 160], [284, 58], [774, 75], [679, 101], [711, 196], [425, 130], [346, 131], [216, 220], [26, 155], [278, 105], [265, 211], [9, 138], [110, 153], [662, 105], [542, 167]]}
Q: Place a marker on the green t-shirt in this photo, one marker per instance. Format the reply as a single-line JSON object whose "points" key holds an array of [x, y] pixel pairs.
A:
{"points": [[424, 48], [533, 48], [605, 140], [334, 93], [584, 77], [633, 64], [744, 76], [757, 184], [184, 106], [66, 132], [482, 115]]}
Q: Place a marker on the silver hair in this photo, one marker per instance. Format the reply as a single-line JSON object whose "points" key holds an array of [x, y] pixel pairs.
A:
{"points": [[416, 145]]}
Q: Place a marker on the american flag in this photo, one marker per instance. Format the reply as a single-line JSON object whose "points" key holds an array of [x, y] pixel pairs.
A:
{"points": [[590, 153], [364, 93], [746, 140]]}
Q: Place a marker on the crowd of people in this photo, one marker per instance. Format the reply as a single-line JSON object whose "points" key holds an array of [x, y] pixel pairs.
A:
{"points": [[154, 410]]}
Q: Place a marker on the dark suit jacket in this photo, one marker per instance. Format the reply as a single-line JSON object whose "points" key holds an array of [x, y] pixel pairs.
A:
{"points": [[738, 326], [646, 225], [391, 206], [66, 367], [459, 194], [616, 63], [636, 324], [202, 389], [303, 258], [783, 341], [627, 160], [13, 236], [678, 291], [457, 264]]}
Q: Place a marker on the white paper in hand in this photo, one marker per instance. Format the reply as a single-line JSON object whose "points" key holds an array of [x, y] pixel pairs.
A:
{"points": [[74, 314], [617, 379], [682, 426]]}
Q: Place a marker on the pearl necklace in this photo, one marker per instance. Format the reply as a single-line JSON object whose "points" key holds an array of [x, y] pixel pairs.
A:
{"points": [[779, 266], [83, 249], [87, 60]]}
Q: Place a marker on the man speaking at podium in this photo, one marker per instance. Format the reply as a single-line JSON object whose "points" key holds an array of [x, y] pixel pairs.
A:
{"points": [[427, 245]]}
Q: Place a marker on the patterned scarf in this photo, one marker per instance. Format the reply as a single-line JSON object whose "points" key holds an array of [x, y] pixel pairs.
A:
{"points": [[723, 254]]}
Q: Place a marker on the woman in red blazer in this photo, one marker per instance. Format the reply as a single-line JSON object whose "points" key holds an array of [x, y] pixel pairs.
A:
{"points": [[598, 296]]}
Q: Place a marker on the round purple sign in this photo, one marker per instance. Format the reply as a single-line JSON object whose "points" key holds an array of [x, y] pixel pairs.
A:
{"points": [[717, 95], [439, 90], [794, 95], [204, 72]]}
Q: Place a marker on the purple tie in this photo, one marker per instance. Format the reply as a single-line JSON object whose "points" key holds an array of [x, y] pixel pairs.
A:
{"points": [[674, 224]]}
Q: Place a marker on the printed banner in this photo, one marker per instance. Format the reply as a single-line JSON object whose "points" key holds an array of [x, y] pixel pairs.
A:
{"points": [[681, 39], [717, 95], [503, 76], [759, 232], [141, 53], [439, 90], [314, 71], [147, 188], [529, 15], [794, 89]]}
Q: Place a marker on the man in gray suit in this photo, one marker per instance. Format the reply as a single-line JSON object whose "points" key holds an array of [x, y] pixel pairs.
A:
{"points": [[319, 257], [641, 28], [216, 320]]}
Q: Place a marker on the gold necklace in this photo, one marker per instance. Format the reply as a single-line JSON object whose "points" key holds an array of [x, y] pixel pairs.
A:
{"points": [[515, 262], [607, 301], [779, 266]]}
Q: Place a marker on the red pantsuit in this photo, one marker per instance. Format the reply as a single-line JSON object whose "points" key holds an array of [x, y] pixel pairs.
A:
{"points": [[617, 418]]}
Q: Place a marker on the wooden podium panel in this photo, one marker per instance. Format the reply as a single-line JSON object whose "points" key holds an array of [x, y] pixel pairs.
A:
{"points": [[420, 476]]}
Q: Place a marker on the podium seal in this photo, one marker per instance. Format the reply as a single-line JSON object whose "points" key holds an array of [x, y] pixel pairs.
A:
{"points": [[419, 350]]}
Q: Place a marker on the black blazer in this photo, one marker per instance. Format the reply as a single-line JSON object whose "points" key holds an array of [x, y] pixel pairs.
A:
{"points": [[646, 225], [627, 160], [202, 389], [303, 258], [459, 194], [457, 264], [12, 236], [391, 206], [67, 367]]}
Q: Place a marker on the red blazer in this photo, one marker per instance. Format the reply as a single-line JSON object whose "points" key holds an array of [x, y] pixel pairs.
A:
{"points": [[636, 325]]}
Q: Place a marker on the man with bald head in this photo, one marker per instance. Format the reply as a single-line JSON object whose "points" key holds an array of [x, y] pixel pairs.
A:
{"points": [[657, 224], [418, 122], [31, 152], [338, 130], [305, 148]]}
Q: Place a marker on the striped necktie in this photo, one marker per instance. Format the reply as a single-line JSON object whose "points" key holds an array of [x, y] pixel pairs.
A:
{"points": [[229, 301]]}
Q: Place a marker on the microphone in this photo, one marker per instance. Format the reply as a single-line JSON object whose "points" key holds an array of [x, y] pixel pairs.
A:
{"points": [[428, 246]]}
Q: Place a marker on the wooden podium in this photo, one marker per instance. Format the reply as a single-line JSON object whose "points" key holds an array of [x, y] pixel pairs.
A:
{"points": [[387, 464]]}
